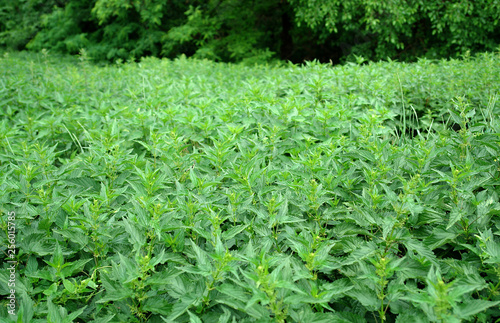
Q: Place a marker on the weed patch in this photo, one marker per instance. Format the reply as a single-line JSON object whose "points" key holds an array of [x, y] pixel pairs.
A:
{"points": [[191, 191]]}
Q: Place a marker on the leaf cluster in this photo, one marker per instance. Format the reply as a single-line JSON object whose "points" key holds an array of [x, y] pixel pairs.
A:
{"points": [[193, 191]]}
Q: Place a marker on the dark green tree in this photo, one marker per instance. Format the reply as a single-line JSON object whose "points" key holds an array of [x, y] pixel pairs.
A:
{"points": [[402, 28], [253, 30], [21, 20]]}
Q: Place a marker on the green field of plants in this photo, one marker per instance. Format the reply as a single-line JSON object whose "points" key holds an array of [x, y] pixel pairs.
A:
{"points": [[194, 191]]}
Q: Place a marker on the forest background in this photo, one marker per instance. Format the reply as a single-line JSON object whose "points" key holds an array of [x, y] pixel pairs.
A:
{"points": [[253, 31]]}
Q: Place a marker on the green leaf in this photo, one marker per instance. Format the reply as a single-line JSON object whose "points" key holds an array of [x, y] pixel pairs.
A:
{"points": [[160, 258], [70, 287], [87, 183], [233, 291], [455, 215], [467, 284], [55, 313], [493, 251], [422, 250], [130, 268], [72, 316], [366, 297], [73, 267], [365, 251], [114, 291], [337, 288], [163, 277], [233, 231], [203, 264], [57, 259], [193, 318], [411, 315], [439, 237], [74, 235], [181, 307], [26, 310], [468, 308], [157, 305], [136, 236], [224, 318], [52, 290]]}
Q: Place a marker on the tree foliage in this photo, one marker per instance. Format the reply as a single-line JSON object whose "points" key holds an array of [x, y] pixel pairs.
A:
{"points": [[21, 20], [405, 28], [252, 31]]}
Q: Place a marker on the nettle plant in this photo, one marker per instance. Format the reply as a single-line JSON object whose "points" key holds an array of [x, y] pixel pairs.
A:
{"points": [[190, 191]]}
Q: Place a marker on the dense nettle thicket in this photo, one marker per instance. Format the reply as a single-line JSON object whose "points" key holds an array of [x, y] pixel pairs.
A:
{"points": [[253, 31], [192, 191]]}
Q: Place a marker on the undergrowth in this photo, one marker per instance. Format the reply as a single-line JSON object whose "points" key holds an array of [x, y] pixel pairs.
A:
{"points": [[190, 191]]}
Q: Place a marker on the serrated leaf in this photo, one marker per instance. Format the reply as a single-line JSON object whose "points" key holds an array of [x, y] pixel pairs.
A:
{"points": [[411, 315], [224, 318], [422, 250], [163, 277], [73, 315], [114, 291], [57, 258], [180, 307], [471, 307], [136, 237], [130, 268], [493, 251], [51, 290], [233, 231], [54, 314], [26, 311], [366, 297], [338, 287], [439, 237], [359, 254], [455, 215], [85, 183], [75, 266], [234, 291], [70, 287], [74, 235], [193, 318], [157, 305]]}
